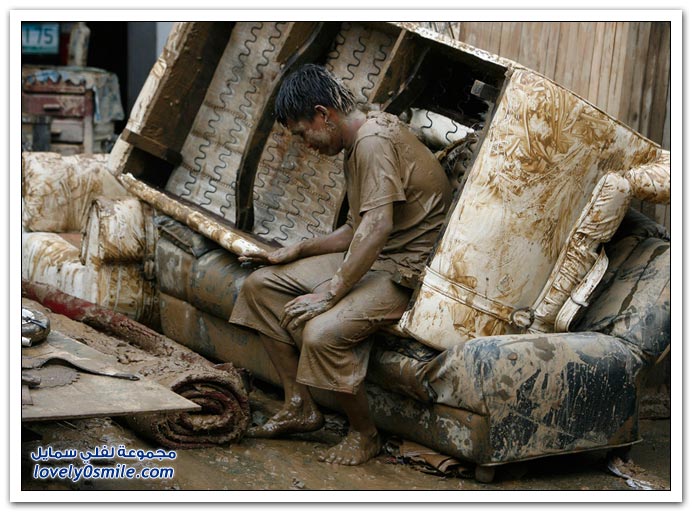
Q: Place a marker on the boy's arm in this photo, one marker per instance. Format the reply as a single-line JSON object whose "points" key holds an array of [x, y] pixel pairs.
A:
{"points": [[336, 241], [366, 245]]}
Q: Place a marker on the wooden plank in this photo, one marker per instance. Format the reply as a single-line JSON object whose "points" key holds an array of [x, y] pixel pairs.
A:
{"points": [[564, 70], [468, 33], [665, 143], [606, 64], [396, 67], [494, 31], [298, 34], [650, 78], [532, 34], [583, 56], [660, 95], [411, 88], [510, 40], [152, 146], [552, 40], [631, 101], [485, 32], [543, 35], [187, 77], [485, 35], [617, 70], [595, 74], [629, 43], [95, 395], [463, 29], [183, 71], [635, 104]]}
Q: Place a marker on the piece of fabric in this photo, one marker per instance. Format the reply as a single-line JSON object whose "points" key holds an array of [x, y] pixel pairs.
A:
{"points": [[333, 351], [388, 164]]}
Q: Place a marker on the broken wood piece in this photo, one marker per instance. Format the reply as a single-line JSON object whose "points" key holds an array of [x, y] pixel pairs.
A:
{"points": [[152, 146], [59, 347], [231, 239], [485, 91]]}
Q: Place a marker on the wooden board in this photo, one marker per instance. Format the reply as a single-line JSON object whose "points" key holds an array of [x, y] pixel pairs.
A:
{"points": [[95, 395], [584, 45], [510, 39], [98, 395]]}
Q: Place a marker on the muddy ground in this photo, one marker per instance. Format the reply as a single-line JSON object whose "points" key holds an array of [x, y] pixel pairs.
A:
{"points": [[292, 464], [255, 464]]}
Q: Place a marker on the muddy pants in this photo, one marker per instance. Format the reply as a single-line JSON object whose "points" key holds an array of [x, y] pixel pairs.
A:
{"points": [[333, 346]]}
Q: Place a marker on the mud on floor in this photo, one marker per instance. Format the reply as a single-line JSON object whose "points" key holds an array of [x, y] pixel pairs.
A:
{"points": [[291, 464]]}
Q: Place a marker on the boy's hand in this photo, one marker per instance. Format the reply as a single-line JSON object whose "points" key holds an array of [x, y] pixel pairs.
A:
{"points": [[303, 308], [277, 257]]}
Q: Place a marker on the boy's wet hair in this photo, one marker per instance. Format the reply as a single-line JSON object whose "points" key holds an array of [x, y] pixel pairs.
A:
{"points": [[307, 87]]}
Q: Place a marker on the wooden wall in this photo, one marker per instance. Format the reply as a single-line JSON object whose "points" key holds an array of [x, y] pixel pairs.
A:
{"points": [[621, 67]]}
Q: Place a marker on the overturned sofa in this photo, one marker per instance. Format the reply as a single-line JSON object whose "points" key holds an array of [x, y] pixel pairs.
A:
{"points": [[545, 301]]}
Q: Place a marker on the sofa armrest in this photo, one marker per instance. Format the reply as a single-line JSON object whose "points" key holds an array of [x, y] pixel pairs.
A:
{"points": [[57, 190], [543, 392]]}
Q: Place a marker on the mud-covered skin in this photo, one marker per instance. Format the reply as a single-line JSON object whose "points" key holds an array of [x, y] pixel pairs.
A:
{"points": [[297, 416], [354, 449]]}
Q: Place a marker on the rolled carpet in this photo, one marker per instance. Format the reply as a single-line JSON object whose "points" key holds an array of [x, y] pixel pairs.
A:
{"points": [[224, 416], [219, 390]]}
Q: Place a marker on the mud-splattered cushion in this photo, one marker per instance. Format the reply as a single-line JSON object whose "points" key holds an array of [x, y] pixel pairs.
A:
{"points": [[633, 301]]}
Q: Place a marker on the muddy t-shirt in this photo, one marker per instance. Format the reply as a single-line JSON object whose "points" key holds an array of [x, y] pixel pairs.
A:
{"points": [[388, 164]]}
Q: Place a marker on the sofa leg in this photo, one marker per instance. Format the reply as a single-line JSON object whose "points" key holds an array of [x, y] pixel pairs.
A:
{"points": [[485, 474]]}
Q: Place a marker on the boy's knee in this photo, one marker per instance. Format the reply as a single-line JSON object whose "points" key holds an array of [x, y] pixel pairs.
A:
{"points": [[256, 282], [319, 334]]}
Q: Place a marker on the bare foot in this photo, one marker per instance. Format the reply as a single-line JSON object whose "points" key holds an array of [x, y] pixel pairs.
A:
{"points": [[354, 449], [289, 420]]}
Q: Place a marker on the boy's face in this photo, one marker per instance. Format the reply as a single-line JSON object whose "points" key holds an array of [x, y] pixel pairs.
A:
{"points": [[318, 134]]}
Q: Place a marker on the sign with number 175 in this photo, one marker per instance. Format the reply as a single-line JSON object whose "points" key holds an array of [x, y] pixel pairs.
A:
{"points": [[40, 37]]}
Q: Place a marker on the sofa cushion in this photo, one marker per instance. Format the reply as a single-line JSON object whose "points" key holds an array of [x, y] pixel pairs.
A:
{"points": [[633, 301]]}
